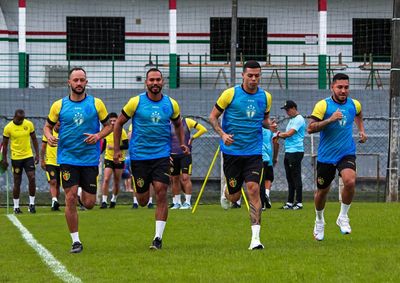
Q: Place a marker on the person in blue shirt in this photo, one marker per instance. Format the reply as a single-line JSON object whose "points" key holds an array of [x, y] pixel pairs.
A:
{"points": [[150, 145], [294, 153], [78, 142], [246, 109], [333, 117]]}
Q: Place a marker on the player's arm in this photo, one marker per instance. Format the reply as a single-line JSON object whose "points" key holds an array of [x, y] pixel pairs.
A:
{"points": [[267, 121], [317, 121], [177, 122], [200, 129], [275, 147], [222, 103], [4, 162], [35, 146], [93, 138], [43, 154], [52, 119], [127, 113], [358, 119], [287, 134]]}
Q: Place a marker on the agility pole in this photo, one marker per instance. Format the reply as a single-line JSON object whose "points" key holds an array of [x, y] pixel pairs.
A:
{"points": [[205, 180]]}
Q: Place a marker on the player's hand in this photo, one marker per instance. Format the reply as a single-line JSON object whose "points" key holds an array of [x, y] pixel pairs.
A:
{"points": [[190, 141], [227, 139], [37, 159], [337, 115], [43, 164], [91, 138], [117, 156], [362, 137], [52, 141], [4, 164], [274, 162], [185, 149]]}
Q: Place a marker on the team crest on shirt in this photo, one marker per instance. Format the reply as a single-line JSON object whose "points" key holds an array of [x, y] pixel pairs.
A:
{"points": [[320, 181], [25, 128], [250, 111], [17, 170], [232, 182], [66, 175], [140, 182], [78, 119], [155, 117], [343, 121]]}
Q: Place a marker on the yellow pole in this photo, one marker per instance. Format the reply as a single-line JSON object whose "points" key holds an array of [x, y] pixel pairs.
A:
{"points": [[245, 199], [205, 180]]}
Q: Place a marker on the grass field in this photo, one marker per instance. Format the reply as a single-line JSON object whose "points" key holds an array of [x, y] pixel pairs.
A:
{"points": [[208, 246]]}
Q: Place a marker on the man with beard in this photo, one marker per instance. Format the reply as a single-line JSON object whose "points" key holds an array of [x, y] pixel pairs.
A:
{"points": [[333, 117], [246, 109], [150, 145], [19, 132], [78, 144]]}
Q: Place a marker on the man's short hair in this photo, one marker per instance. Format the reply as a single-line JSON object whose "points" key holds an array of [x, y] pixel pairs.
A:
{"points": [[251, 64], [112, 115], [19, 112], [339, 77], [153, 70], [75, 69]]}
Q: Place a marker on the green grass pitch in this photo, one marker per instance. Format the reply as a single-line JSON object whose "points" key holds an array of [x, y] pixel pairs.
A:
{"points": [[208, 246]]}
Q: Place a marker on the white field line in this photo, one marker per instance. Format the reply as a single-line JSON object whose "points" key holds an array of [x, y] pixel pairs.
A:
{"points": [[55, 266]]}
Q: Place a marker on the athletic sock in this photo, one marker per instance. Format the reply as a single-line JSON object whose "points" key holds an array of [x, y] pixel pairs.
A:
{"points": [[135, 200], [178, 199], [344, 209], [104, 198], [54, 199], [188, 198], [79, 191], [255, 232], [160, 226], [150, 200], [16, 202], [75, 237], [114, 198], [239, 202], [267, 192], [319, 215], [32, 200]]}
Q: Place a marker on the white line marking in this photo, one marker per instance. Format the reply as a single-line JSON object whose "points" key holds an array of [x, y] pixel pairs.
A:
{"points": [[55, 266]]}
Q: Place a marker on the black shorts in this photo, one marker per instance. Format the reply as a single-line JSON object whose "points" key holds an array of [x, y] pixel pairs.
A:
{"points": [[53, 173], [27, 164], [112, 165], [181, 164], [268, 172], [83, 176], [241, 168], [145, 172], [326, 172]]}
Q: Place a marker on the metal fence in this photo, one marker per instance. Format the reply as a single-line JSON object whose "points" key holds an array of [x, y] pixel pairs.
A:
{"points": [[195, 71]]}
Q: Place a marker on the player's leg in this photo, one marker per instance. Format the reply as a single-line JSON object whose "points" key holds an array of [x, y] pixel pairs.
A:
{"points": [[185, 181], [291, 188], [116, 186], [17, 176], [325, 175], [347, 169], [160, 170], [141, 171], [108, 171], [88, 183], [232, 167], [297, 157], [53, 178], [252, 169], [29, 167], [176, 191]]}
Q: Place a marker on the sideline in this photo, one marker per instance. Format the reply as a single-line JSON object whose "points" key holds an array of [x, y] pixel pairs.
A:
{"points": [[55, 266]]}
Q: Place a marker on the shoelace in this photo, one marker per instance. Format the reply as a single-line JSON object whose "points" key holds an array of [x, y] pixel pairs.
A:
{"points": [[345, 221]]}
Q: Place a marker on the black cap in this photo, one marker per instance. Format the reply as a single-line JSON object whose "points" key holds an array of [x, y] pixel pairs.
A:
{"points": [[289, 104]]}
